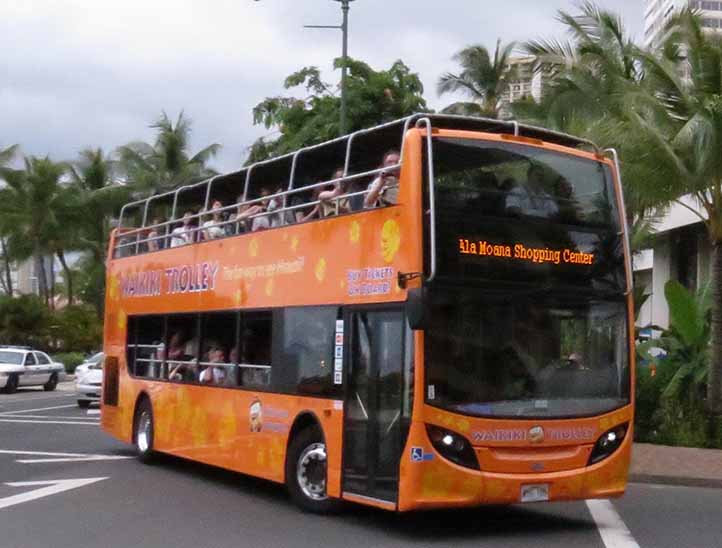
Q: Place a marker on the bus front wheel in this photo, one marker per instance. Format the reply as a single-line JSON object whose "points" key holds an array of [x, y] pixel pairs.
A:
{"points": [[306, 465], [143, 431]]}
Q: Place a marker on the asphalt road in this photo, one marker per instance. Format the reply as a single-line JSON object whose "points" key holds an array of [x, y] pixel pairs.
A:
{"points": [[106, 498]]}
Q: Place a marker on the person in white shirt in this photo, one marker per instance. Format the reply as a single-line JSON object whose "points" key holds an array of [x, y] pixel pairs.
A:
{"points": [[183, 234], [212, 228], [531, 199], [214, 374], [262, 222], [330, 204], [384, 190]]}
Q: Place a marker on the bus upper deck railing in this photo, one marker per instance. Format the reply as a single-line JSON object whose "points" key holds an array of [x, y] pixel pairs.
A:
{"points": [[131, 240]]}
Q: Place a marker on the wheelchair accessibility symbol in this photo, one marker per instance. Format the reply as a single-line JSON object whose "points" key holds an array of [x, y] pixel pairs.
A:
{"points": [[418, 455]]}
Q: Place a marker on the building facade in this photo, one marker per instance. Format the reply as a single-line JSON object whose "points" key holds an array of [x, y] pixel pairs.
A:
{"points": [[681, 252], [658, 12], [526, 83]]}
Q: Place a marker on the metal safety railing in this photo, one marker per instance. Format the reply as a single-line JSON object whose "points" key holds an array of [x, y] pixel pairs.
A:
{"points": [[132, 240]]}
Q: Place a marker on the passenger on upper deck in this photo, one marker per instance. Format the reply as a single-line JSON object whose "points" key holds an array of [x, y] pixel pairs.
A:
{"points": [[239, 224], [329, 197], [212, 228], [183, 234], [155, 242], [384, 190], [532, 198], [262, 221]]}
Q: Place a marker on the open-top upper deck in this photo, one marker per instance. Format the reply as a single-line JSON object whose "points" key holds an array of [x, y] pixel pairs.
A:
{"points": [[293, 176]]}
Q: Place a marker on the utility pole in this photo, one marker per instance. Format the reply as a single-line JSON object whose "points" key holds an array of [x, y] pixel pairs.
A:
{"points": [[344, 57]]}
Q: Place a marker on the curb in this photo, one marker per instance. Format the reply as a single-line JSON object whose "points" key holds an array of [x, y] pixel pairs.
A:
{"points": [[676, 480]]}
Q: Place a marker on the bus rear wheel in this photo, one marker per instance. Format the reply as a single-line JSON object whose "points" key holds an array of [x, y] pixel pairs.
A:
{"points": [[143, 432], [306, 471]]}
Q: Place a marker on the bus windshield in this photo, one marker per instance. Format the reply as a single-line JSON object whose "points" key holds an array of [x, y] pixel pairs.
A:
{"points": [[525, 355], [522, 214]]}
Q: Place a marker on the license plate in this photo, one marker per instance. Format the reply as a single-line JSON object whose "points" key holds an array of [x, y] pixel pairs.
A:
{"points": [[535, 493]]}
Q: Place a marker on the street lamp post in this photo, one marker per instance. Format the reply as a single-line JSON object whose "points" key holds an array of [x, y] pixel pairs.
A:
{"points": [[344, 56]]}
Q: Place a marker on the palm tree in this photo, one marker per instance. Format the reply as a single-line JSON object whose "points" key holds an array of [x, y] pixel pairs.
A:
{"points": [[482, 79], [588, 75], [166, 164], [590, 79], [39, 217], [99, 198], [6, 281], [674, 132]]}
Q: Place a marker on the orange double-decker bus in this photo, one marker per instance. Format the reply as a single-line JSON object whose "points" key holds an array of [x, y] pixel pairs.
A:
{"points": [[443, 326]]}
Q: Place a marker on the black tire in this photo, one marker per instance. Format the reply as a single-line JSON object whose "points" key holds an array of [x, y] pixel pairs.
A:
{"points": [[52, 383], [83, 404], [303, 446], [12, 384], [143, 430]]}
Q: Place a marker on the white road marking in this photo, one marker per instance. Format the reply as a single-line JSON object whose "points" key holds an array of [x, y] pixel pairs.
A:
{"points": [[60, 457], [54, 417], [37, 409], [52, 487], [612, 529], [93, 411], [41, 453], [89, 458], [86, 423]]}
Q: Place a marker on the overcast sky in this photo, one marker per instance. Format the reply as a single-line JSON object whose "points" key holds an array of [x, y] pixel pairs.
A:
{"points": [[80, 73]]}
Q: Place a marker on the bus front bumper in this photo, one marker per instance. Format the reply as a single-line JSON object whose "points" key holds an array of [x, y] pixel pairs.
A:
{"points": [[439, 483]]}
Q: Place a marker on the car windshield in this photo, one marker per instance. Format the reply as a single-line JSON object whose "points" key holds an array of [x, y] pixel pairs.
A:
{"points": [[15, 358], [96, 359], [526, 355]]}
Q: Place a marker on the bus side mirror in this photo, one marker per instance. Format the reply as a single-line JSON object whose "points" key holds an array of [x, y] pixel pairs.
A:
{"points": [[416, 308]]}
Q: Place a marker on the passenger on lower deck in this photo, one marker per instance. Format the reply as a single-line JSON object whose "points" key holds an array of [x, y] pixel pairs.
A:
{"points": [[214, 374]]}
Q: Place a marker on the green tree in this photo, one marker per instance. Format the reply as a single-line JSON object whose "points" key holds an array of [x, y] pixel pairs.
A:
{"points": [[24, 320], [167, 163], [99, 198], [373, 97], [40, 216], [674, 132], [482, 79], [588, 75], [6, 282]]}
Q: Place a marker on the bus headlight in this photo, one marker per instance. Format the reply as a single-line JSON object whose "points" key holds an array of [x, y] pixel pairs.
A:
{"points": [[608, 443], [452, 446]]}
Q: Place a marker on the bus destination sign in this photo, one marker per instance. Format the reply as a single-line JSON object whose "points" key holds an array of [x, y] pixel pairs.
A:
{"points": [[522, 252]]}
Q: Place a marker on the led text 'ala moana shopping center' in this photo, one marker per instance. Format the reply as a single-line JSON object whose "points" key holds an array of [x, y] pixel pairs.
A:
{"points": [[521, 252]]}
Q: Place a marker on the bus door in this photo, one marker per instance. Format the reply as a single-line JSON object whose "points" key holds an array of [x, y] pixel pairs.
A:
{"points": [[374, 357]]}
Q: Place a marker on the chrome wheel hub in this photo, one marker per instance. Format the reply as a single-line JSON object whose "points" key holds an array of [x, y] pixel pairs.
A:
{"points": [[311, 471], [144, 432]]}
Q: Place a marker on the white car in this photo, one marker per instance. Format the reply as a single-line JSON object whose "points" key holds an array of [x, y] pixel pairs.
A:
{"points": [[23, 366], [89, 379]]}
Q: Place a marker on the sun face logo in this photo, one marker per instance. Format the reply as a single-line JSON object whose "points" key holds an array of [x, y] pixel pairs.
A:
{"points": [[390, 240], [354, 232], [294, 243], [536, 434], [255, 416], [253, 248], [321, 269]]}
